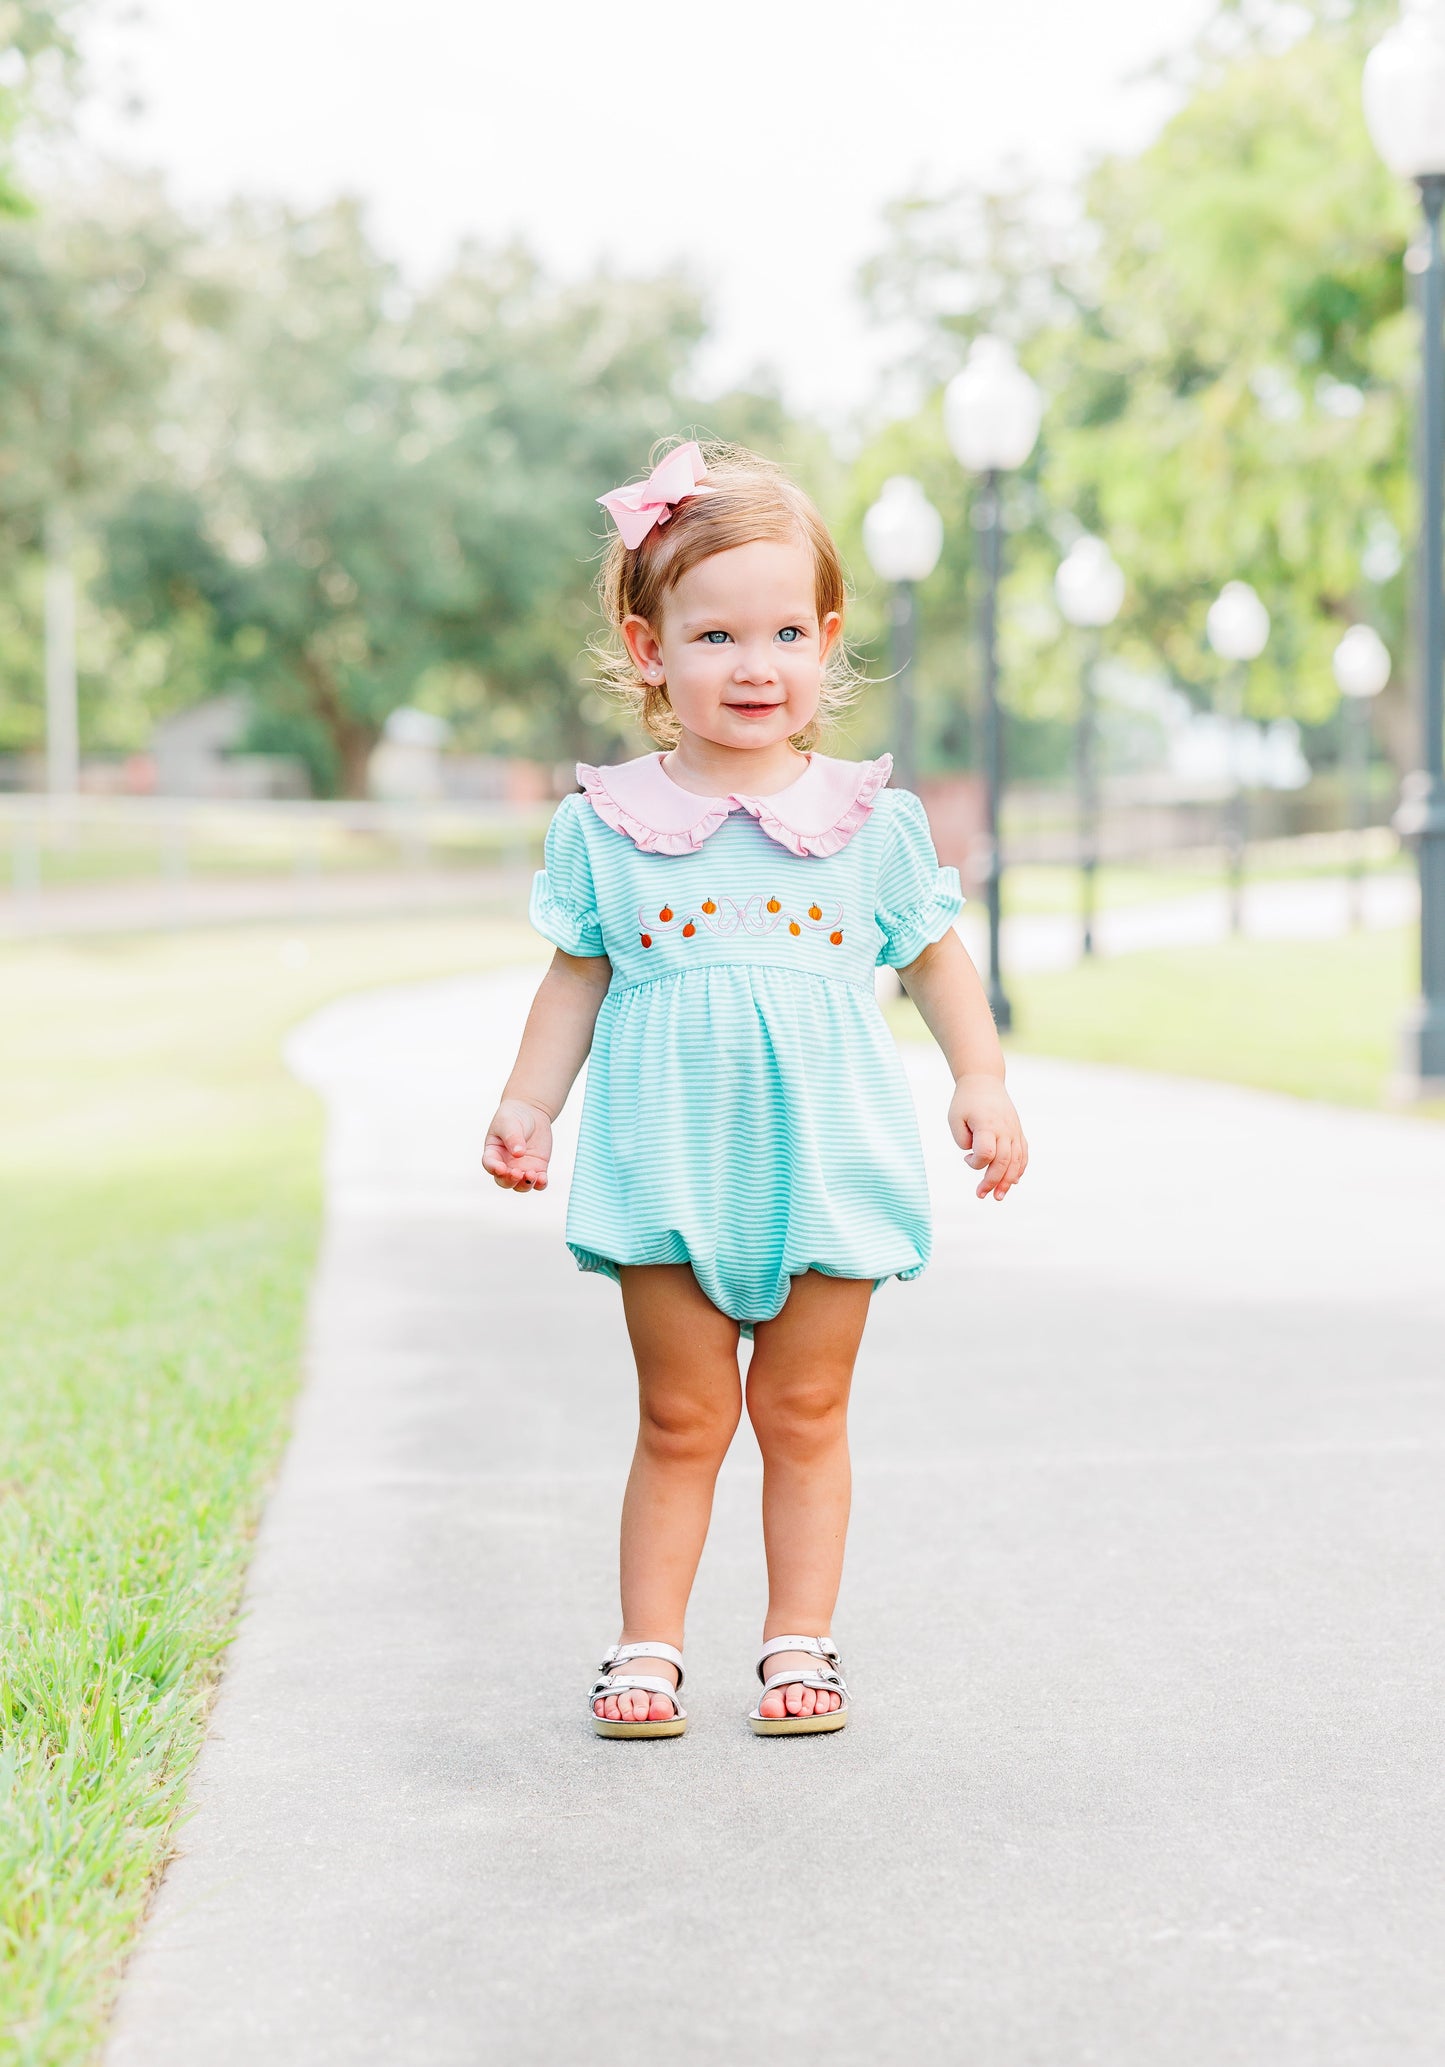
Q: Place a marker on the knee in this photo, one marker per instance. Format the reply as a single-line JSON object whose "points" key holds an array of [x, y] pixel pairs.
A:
{"points": [[688, 1431], [799, 1421]]}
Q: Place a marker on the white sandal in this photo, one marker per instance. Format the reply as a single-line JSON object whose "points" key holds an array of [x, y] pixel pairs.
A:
{"points": [[610, 1682], [828, 1680]]}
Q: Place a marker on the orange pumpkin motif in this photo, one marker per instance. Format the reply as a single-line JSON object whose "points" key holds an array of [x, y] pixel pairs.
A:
{"points": [[793, 926], [836, 938], [688, 930], [708, 906], [773, 904], [665, 914], [647, 940]]}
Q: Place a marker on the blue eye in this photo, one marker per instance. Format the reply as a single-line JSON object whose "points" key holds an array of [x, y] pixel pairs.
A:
{"points": [[790, 633], [714, 638]]}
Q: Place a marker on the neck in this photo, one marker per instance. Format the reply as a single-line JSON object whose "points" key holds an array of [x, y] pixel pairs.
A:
{"points": [[710, 770]]}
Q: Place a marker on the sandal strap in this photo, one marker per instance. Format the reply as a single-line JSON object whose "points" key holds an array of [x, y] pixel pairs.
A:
{"points": [[622, 1654], [826, 1682], [638, 1683], [816, 1646]]}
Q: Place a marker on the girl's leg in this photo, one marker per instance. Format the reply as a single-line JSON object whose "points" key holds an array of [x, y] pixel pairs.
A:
{"points": [[689, 1405], [798, 1385]]}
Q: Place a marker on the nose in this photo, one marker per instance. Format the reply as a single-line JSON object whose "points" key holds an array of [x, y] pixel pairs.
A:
{"points": [[755, 667]]}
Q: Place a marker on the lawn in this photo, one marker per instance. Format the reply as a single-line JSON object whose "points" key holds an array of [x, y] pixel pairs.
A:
{"points": [[1316, 1019], [159, 1208]]}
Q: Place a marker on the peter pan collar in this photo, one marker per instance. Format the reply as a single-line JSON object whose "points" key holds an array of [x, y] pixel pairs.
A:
{"points": [[816, 815]]}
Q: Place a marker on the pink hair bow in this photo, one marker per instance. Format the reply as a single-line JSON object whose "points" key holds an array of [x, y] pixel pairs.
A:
{"points": [[636, 509]]}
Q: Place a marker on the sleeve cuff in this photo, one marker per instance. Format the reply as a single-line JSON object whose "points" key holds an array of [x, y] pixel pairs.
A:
{"points": [[575, 932], [907, 934]]}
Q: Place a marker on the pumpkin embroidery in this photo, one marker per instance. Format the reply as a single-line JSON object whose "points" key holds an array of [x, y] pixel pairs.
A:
{"points": [[728, 915]]}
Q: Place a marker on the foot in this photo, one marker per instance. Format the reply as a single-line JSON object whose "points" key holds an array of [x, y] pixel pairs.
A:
{"points": [[796, 1700], [639, 1706]]}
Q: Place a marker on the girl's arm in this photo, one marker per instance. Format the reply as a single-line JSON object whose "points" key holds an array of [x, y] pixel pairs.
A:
{"points": [[944, 985], [555, 1044]]}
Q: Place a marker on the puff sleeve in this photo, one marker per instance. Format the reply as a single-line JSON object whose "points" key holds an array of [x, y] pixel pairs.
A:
{"points": [[564, 903], [917, 900]]}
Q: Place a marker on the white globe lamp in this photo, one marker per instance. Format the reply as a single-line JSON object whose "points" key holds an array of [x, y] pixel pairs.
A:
{"points": [[903, 537]]}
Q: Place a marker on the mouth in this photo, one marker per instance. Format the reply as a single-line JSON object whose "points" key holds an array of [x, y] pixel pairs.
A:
{"points": [[754, 710]]}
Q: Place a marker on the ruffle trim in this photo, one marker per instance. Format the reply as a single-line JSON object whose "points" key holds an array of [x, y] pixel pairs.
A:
{"points": [[908, 933], [835, 836], [647, 837], [829, 840], [576, 933]]}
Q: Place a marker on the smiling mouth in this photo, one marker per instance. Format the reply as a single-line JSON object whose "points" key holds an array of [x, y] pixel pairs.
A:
{"points": [[754, 709]]}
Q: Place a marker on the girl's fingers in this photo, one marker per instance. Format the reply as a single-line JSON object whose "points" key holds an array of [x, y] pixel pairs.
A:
{"points": [[997, 1169], [984, 1145]]}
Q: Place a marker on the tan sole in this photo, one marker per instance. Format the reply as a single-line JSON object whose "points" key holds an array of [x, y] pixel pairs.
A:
{"points": [[797, 1725], [675, 1726]]}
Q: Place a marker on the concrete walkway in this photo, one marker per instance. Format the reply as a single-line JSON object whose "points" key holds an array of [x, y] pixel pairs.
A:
{"points": [[1143, 1621]]}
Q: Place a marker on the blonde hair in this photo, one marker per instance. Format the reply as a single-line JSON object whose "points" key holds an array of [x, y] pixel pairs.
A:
{"points": [[753, 499]]}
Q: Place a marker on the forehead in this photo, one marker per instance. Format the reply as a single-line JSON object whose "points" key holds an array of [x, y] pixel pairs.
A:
{"points": [[767, 574]]}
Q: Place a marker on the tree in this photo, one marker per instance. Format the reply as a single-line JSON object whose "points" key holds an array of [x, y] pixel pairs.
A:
{"points": [[1224, 345], [38, 65], [87, 290], [366, 501]]}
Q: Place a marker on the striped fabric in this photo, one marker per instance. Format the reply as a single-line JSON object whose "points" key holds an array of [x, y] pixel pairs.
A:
{"points": [[746, 1111]]}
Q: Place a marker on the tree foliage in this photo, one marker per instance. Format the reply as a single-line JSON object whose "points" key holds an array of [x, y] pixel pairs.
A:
{"points": [[1222, 338]]}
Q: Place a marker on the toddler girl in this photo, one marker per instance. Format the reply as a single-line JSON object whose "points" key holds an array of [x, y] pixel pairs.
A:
{"points": [[748, 1161]]}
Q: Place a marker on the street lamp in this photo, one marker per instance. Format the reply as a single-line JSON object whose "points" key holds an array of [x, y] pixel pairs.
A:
{"points": [[991, 413], [1237, 627], [1404, 93], [1362, 668], [903, 537], [1089, 587]]}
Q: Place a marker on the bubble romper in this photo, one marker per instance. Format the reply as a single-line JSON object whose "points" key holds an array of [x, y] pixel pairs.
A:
{"points": [[746, 1109]]}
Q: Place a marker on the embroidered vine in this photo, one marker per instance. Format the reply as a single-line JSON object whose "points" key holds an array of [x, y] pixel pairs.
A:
{"points": [[728, 915]]}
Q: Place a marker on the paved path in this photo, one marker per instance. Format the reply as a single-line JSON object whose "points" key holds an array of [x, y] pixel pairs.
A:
{"points": [[1143, 1619]]}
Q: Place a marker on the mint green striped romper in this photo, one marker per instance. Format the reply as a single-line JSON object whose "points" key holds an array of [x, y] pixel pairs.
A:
{"points": [[746, 1111]]}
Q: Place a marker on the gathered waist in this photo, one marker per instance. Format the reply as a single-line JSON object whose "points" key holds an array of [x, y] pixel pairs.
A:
{"points": [[836, 978]]}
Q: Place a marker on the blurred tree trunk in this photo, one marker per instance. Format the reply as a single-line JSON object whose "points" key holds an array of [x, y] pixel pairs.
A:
{"points": [[352, 738], [62, 722]]}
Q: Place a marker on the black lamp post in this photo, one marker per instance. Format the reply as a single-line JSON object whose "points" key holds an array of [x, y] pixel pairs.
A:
{"points": [[1362, 668], [992, 412], [1090, 588], [1237, 627], [1404, 91]]}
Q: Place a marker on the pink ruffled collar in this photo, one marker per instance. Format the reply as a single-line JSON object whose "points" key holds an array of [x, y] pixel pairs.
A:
{"points": [[816, 815]]}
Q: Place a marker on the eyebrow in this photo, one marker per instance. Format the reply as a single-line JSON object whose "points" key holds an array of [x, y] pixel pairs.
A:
{"points": [[718, 620]]}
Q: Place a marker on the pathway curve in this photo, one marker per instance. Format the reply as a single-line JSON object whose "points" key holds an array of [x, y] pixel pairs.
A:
{"points": [[1142, 1617]]}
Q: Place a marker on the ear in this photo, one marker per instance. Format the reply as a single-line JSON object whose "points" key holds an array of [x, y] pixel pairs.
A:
{"points": [[829, 633], [644, 649]]}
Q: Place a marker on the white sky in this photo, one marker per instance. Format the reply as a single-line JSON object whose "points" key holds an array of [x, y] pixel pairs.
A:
{"points": [[757, 140]]}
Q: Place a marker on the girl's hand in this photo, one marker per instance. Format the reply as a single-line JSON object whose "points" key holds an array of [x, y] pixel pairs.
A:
{"points": [[519, 1146], [982, 1120]]}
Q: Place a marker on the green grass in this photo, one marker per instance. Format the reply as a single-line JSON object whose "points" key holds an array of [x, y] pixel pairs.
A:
{"points": [[1316, 1019], [1031, 888], [159, 1205]]}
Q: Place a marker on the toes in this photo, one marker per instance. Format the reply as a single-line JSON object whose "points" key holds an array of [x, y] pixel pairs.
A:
{"points": [[662, 1709], [793, 1696], [771, 1705]]}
